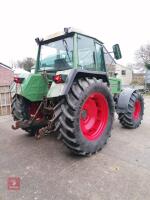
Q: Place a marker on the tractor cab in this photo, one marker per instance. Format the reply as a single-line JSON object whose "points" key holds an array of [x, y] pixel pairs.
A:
{"points": [[71, 49]]}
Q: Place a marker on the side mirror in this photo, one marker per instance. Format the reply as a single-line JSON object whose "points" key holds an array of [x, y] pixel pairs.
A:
{"points": [[117, 52]]}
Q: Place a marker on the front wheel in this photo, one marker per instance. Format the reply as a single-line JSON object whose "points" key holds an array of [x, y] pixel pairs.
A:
{"points": [[87, 116], [132, 118]]}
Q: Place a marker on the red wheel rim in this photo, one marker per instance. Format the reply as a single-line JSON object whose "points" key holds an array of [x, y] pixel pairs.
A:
{"points": [[94, 116], [137, 110]]}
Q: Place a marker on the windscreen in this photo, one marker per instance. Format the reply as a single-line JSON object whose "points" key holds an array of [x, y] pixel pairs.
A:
{"points": [[57, 55]]}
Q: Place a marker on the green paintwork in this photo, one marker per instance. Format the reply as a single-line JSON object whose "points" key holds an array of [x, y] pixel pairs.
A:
{"points": [[75, 49], [117, 52], [115, 85], [34, 87]]}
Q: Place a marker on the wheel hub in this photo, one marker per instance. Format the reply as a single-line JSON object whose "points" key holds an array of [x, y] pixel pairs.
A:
{"points": [[94, 116], [84, 114]]}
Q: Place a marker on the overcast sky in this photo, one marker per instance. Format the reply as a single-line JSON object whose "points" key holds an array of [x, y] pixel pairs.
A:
{"points": [[126, 22]]}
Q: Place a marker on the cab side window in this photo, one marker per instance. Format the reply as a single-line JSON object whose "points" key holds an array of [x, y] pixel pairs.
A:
{"points": [[109, 61], [86, 55], [100, 58]]}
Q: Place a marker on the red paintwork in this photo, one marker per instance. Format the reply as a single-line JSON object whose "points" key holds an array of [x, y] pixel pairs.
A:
{"points": [[137, 110], [94, 116], [32, 110]]}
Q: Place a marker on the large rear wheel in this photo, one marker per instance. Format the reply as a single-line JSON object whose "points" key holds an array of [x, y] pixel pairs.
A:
{"points": [[87, 116], [23, 110]]}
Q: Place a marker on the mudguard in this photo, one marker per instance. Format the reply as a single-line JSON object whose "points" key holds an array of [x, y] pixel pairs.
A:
{"points": [[73, 74], [123, 100]]}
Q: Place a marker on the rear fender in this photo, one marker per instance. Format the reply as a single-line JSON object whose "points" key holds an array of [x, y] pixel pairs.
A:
{"points": [[61, 89]]}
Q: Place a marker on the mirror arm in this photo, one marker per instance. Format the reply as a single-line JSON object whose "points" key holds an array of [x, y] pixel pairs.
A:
{"points": [[108, 52]]}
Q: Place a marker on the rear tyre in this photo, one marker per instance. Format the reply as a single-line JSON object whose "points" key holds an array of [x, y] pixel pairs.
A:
{"points": [[132, 119], [87, 116]]}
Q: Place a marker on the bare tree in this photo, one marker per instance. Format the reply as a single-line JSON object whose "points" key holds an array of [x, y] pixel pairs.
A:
{"points": [[143, 55], [26, 63]]}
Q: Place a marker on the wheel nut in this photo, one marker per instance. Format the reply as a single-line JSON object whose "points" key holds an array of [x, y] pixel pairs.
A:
{"points": [[83, 114]]}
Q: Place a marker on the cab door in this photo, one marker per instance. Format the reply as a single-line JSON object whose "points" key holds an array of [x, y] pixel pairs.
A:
{"points": [[100, 60]]}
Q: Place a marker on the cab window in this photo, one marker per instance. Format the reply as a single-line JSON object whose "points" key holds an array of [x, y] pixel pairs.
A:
{"points": [[86, 55], [109, 60], [100, 58]]}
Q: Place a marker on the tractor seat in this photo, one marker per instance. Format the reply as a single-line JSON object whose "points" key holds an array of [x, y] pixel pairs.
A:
{"points": [[61, 64]]}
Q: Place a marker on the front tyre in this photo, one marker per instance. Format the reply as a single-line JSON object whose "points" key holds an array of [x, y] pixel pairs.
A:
{"points": [[87, 116], [132, 119]]}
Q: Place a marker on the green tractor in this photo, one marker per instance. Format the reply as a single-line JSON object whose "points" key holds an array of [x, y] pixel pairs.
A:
{"points": [[70, 93]]}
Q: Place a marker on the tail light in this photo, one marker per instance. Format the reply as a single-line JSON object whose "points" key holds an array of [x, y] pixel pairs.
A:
{"points": [[18, 80], [58, 79]]}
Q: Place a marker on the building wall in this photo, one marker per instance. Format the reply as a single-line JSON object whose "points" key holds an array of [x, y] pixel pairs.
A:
{"points": [[138, 78], [147, 77], [6, 76], [5, 100], [125, 74]]}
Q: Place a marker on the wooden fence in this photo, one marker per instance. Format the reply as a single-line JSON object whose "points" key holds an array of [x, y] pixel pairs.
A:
{"points": [[5, 100]]}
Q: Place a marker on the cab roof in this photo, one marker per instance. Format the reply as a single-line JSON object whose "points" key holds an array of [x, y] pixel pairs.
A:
{"points": [[63, 34]]}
